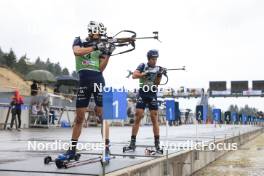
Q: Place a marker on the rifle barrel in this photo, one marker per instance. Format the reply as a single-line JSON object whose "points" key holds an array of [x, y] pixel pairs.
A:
{"points": [[147, 37], [176, 69]]}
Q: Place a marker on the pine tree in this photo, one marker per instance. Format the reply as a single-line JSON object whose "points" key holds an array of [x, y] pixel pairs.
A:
{"points": [[57, 69], [75, 74], [10, 59], [65, 71], [2, 58], [22, 66]]}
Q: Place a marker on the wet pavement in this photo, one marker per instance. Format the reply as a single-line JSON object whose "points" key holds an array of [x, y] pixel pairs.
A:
{"points": [[17, 158]]}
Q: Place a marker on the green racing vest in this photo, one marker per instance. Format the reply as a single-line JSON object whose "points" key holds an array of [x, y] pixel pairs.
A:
{"points": [[89, 61]]}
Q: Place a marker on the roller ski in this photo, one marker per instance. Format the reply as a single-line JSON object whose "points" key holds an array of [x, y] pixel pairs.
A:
{"points": [[63, 158], [131, 147], [88, 161], [65, 164], [152, 152], [156, 150]]}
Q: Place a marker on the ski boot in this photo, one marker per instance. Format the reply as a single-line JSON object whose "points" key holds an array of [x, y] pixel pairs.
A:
{"points": [[157, 147], [66, 157], [131, 147], [107, 157]]}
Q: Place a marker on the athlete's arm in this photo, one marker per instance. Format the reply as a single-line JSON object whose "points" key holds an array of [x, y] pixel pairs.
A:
{"points": [[103, 62], [138, 73], [80, 51], [158, 79]]}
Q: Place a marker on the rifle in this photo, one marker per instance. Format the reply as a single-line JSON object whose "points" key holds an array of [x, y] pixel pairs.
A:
{"points": [[162, 71], [129, 73], [127, 41]]}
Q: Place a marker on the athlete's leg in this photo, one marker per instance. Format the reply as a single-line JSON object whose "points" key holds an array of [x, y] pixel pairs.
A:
{"points": [[153, 107], [155, 122], [138, 116], [83, 98], [99, 112], [78, 123]]}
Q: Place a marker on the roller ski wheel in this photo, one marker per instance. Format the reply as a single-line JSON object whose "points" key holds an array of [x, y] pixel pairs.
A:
{"points": [[47, 159], [77, 157], [59, 163]]}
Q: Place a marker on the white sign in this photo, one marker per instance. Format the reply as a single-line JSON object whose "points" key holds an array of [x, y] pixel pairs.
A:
{"points": [[252, 92]]}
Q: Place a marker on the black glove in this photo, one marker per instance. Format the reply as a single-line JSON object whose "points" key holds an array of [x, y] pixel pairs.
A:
{"points": [[100, 46], [109, 49], [161, 72], [146, 73]]}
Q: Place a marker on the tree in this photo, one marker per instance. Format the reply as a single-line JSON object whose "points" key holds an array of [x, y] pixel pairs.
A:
{"points": [[75, 74], [38, 61], [65, 71], [57, 69], [210, 113], [51, 68], [233, 108], [48, 61], [22, 66], [2, 58], [10, 59], [248, 110]]}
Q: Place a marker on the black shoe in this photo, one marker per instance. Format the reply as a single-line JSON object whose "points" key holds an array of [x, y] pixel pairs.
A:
{"points": [[132, 144], [131, 147], [157, 147]]}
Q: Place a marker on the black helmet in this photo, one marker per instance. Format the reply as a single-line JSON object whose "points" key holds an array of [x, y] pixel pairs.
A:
{"points": [[153, 53]]}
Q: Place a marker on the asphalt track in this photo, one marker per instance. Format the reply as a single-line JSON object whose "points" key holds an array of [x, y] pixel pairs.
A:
{"points": [[17, 159]]}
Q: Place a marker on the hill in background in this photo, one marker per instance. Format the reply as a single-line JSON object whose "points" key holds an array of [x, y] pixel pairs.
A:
{"points": [[10, 81]]}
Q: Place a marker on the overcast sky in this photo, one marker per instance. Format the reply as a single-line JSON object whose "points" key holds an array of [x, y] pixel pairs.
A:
{"points": [[215, 39]]}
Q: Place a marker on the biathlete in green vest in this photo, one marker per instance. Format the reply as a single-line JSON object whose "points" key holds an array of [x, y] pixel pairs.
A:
{"points": [[91, 56]]}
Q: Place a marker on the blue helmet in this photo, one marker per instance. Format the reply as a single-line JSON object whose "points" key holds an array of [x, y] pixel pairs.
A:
{"points": [[153, 53]]}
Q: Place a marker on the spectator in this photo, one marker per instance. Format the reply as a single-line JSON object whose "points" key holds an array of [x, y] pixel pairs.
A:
{"points": [[17, 101], [34, 88], [52, 116], [39, 90], [34, 109], [56, 89], [45, 88]]}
